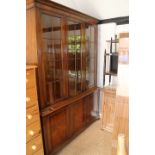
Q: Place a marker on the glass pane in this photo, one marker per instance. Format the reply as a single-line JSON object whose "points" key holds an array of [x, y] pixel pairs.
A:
{"points": [[51, 28], [79, 82], [90, 59], [90, 33], [90, 72], [74, 57], [92, 50]]}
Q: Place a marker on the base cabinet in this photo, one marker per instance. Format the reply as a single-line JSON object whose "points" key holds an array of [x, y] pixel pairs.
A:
{"points": [[61, 126]]}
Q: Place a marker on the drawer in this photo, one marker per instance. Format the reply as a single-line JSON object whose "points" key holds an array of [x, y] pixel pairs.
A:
{"points": [[32, 115], [33, 130], [39, 152], [110, 93], [30, 79], [31, 97], [113, 91], [34, 145]]}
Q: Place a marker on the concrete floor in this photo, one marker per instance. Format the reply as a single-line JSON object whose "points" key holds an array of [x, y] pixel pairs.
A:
{"points": [[93, 141]]}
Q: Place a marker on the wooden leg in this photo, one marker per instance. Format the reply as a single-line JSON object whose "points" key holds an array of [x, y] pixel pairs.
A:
{"points": [[109, 79]]}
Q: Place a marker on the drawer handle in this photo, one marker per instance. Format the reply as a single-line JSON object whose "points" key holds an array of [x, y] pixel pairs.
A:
{"points": [[28, 99], [34, 147], [29, 116], [27, 80], [31, 132]]}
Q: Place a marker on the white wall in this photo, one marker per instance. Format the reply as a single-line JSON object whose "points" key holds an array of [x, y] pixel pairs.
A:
{"points": [[101, 9], [105, 32], [123, 69], [122, 28]]}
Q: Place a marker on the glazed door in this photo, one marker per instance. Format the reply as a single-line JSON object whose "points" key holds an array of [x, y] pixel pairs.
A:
{"points": [[52, 35], [74, 57], [67, 61], [90, 56]]}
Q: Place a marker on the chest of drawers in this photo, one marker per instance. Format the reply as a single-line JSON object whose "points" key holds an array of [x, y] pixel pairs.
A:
{"points": [[34, 144]]}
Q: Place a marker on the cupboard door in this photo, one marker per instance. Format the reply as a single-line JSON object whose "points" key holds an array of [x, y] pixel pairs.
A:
{"points": [[52, 52], [90, 108], [77, 116], [55, 130], [58, 125]]}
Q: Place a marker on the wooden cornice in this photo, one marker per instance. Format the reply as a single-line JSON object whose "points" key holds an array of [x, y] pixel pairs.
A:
{"points": [[63, 9]]}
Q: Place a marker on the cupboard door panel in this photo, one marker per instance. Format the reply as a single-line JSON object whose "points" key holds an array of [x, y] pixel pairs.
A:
{"points": [[58, 124], [77, 115], [55, 130], [90, 107]]}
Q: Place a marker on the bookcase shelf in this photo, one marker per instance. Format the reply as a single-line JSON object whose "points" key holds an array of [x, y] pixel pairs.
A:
{"points": [[110, 73], [112, 56], [113, 41]]}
